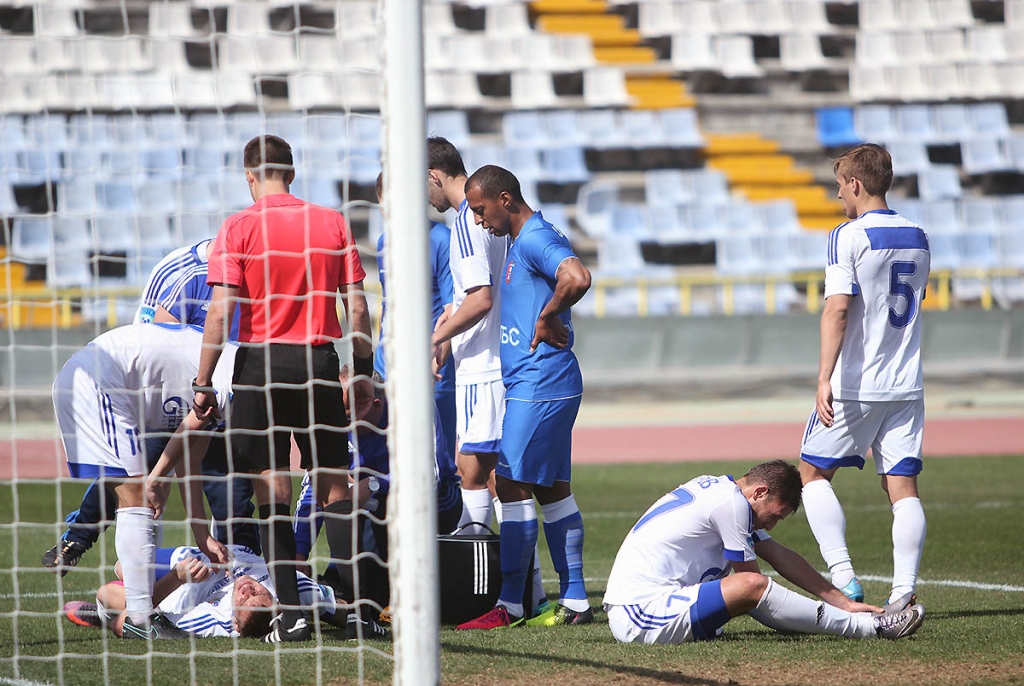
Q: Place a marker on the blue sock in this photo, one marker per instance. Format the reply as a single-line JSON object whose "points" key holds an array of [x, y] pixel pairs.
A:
{"points": [[97, 512], [565, 541], [518, 539]]}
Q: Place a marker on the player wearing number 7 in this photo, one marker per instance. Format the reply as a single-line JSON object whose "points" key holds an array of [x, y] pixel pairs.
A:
{"points": [[870, 389]]}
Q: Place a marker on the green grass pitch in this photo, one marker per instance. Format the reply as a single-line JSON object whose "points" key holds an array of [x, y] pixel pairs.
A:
{"points": [[973, 633]]}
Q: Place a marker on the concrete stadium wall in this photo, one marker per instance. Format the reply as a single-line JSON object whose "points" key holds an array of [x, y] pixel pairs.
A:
{"points": [[664, 355]]}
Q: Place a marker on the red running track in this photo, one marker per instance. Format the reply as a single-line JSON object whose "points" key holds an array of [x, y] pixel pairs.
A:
{"points": [[44, 459]]}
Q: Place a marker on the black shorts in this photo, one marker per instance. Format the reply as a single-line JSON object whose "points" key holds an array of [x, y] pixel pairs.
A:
{"points": [[322, 438]]}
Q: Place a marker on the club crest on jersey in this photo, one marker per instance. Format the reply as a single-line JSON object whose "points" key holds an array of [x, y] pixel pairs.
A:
{"points": [[508, 271]]}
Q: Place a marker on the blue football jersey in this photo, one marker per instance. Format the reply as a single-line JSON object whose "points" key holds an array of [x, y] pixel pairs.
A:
{"points": [[527, 284], [440, 292]]}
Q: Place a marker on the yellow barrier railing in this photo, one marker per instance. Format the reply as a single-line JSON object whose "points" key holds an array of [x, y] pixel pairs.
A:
{"points": [[60, 308], [809, 285]]}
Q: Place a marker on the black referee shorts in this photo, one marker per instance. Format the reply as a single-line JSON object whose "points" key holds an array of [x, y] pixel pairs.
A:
{"points": [[266, 413]]}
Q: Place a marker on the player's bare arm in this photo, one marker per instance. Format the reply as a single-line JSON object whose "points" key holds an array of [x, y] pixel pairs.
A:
{"points": [[357, 312], [833, 328], [218, 323], [798, 571], [474, 307], [573, 281], [162, 316]]}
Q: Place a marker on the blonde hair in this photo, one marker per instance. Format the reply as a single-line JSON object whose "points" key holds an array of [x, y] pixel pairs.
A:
{"points": [[868, 163]]}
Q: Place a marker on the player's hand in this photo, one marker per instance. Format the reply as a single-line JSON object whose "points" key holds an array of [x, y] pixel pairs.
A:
{"points": [[157, 490], [215, 550], [862, 607], [550, 330], [440, 356], [192, 570], [204, 404], [823, 401]]}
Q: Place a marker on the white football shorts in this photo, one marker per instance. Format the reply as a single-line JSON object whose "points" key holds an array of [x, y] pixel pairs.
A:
{"points": [[481, 409], [892, 429], [97, 419], [682, 615]]}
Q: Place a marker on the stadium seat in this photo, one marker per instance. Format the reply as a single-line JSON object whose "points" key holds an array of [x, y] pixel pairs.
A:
{"points": [[452, 89], [506, 19], [983, 155], [8, 203], [319, 53], [642, 128], [667, 187], [564, 126], [594, 205], [909, 156], [739, 254], [979, 215], [988, 119], [629, 220], [69, 269], [533, 89], [189, 228], [437, 20], [526, 162], [658, 18], [710, 186], [702, 222], [907, 82], [779, 216], [564, 164], [986, 44], [356, 18], [737, 16], [835, 127], [950, 123], [736, 56], [947, 45], [1015, 151], [247, 19], [171, 20], [694, 52], [801, 52], [909, 208], [943, 249], [740, 217], [976, 250], [980, 81], [879, 15], [605, 87], [952, 13], [450, 124], [32, 238], [525, 129], [699, 16], [680, 127], [940, 216], [77, 196], [55, 19], [868, 83], [114, 232], [876, 48]]}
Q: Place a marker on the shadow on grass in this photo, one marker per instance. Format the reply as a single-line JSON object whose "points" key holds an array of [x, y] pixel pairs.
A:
{"points": [[658, 675]]}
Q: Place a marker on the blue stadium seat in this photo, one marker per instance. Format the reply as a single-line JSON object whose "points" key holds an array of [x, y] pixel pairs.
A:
{"points": [[835, 127], [565, 164], [939, 181], [874, 123], [32, 238], [668, 187], [681, 128]]}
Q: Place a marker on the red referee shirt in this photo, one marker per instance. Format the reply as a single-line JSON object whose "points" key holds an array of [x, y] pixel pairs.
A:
{"points": [[287, 257]]}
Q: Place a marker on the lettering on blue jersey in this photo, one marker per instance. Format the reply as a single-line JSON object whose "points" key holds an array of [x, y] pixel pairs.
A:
{"points": [[174, 412], [713, 573], [508, 271], [510, 335]]}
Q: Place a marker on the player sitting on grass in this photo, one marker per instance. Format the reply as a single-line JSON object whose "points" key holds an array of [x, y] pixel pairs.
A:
{"points": [[671, 581], [198, 599]]}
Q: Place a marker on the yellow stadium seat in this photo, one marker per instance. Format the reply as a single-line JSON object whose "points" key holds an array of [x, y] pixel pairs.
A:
{"points": [[658, 93], [569, 7], [639, 54], [739, 144]]}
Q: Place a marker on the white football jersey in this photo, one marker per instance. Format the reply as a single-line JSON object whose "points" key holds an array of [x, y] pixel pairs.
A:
{"points": [[883, 260], [687, 537], [167, 271], [152, 366], [206, 608], [476, 259]]}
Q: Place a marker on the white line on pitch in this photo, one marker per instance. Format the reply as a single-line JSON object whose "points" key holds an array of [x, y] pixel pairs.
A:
{"points": [[973, 585], [22, 682]]}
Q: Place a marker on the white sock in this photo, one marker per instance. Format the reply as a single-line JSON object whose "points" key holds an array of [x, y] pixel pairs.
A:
{"points": [[476, 507], [828, 524], [133, 541], [908, 531], [784, 610]]}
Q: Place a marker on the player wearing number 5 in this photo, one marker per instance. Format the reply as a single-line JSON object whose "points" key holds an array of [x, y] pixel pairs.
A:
{"points": [[870, 390], [541, 280]]}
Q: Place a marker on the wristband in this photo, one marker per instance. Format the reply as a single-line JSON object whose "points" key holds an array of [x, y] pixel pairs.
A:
{"points": [[196, 388], [363, 366]]}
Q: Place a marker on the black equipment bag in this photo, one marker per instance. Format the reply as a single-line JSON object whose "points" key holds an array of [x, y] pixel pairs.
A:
{"points": [[470, 570]]}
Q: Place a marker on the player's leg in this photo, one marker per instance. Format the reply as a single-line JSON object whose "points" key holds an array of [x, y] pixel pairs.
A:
{"points": [[93, 516], [684, 614], [823, 452], [898, 458], [230, 499], [779, 608], [135, 543], [478, 423], [267, 457]]}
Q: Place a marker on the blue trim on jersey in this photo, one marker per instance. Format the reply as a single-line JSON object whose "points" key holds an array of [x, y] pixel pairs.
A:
{"points": [[832, 462], [157, 282], [94, 471], [733, 555], [897, 238], [462, 230], [480, 447], [908, 466], [833, 244], [645, 621], [709, 613], [878, 212], [199, 624], [855, 289]]}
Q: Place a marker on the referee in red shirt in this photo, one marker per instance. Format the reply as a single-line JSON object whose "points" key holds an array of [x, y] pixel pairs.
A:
{"points": [[285, 260]]}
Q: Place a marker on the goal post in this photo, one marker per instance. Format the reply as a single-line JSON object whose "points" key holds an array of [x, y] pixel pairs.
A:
{"points": [[413, 529]]}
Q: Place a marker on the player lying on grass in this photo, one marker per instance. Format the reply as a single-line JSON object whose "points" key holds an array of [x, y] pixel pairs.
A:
{"points": [[671, 581], [204, 600]]}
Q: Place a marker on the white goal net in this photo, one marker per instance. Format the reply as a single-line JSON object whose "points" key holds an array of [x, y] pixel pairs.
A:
{"points": [[122, 126]]}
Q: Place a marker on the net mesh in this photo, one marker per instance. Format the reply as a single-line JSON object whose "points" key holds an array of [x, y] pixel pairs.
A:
{"points": [[122, 127]]}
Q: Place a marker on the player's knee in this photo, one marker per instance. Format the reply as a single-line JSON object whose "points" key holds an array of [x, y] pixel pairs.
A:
{"points": [[752, 585]]}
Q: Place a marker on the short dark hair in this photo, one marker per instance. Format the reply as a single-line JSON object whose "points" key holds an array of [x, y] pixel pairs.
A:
{"points": [[493, 180], [868, 163], [781, 478], [444, 157], [379, 186], [254, 622], [270, 154]]}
